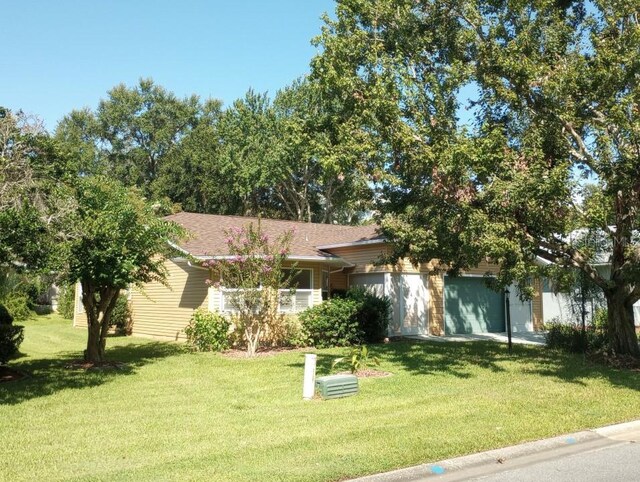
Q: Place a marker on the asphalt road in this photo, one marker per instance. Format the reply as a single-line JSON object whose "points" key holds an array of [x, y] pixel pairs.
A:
{"points": [[606, 454], [613, 462]]}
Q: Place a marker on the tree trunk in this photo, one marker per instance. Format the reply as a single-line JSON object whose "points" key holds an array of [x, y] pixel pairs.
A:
{"points": [[98, 312], [252, 335], [95, 348], [620, 326]]}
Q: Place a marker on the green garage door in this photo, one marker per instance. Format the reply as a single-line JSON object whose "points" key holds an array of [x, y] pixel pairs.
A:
{"points": [[471, 307]]}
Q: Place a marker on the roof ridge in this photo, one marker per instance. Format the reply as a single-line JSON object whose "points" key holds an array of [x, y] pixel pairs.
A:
{"points": [[256, 218]]}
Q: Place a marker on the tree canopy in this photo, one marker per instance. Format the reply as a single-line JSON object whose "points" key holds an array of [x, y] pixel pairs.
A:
{"points": [[548, 146], [114, 241], [259, 156], [26, 207]]}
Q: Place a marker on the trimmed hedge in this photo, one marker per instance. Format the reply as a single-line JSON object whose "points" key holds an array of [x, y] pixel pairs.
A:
{"points": [[359, 317], [373, 314], [332, 323], [208, 331]]}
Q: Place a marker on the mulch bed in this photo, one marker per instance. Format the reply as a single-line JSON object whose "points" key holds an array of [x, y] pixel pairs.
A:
{"points": [[262, 352], [8, 374], [105, 365], [367, 373], [621, 362]]}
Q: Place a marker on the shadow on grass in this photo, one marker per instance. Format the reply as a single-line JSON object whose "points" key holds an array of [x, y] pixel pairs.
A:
{"points": [[46, 376], [455, 357], [461, 359], [323, 364]]}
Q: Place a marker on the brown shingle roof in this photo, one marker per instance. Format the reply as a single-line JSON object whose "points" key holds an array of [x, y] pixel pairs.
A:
{"points": [[208, 233]]}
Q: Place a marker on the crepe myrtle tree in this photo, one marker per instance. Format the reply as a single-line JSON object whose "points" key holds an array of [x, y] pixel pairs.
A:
{"points": [[252, 277], [114, 241]]}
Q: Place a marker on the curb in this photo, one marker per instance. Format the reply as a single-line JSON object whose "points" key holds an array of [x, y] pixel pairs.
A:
{"points": [[593, 437]]}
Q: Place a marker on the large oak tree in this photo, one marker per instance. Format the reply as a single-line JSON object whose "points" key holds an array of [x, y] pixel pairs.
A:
{"points": [[549, 145]]}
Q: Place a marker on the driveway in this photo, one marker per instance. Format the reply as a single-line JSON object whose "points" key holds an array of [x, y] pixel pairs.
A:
{"points": [[520, 338]]}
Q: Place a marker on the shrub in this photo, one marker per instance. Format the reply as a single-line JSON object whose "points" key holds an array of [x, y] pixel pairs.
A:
{"points": [[11, 336], [332, 323], [18, 304], [208, 331], [18, 293], [569, 337], [121, 316], [5, 316], [564, 336], [66, 301], [284, 330], [373, 314], [597, 340], [597, 334], [358, 359], [600, 319]]}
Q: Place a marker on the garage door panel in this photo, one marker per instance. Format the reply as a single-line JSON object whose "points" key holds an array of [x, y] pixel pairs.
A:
{"points": [[472, 307]]}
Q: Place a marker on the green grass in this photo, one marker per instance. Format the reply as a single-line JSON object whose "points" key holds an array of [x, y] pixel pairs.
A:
{"points": [[174, 415]]}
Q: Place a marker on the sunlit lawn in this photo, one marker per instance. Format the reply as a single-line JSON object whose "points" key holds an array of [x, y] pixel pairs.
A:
{"points": [[174, 415]]}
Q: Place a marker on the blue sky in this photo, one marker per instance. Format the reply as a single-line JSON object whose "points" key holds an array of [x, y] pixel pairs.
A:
{"points": [[66, 54]]}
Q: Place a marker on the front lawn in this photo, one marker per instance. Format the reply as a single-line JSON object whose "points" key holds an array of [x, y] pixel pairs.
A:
{"points": [[173, 415]]}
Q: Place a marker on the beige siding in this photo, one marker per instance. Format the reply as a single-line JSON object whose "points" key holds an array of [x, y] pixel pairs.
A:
{"points": [[338, 281], [537, 305], [482, 269], [365, 258], [214, 297], [164, 311], [436, 304]]}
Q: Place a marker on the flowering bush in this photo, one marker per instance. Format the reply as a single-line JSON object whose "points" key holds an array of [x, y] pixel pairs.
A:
{"points": [[252, 275]]}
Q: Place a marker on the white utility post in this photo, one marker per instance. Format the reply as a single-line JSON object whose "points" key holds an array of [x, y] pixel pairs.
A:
{"points": [[309, 383]]}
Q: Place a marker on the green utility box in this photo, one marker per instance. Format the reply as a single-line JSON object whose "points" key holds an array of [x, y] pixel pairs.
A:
{"points": [[336, 386]]}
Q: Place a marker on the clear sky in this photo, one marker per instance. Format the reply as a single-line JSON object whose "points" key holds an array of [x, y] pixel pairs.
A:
{"points": [[60, 55]]}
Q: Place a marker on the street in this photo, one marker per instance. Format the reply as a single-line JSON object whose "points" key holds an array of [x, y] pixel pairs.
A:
{"points": [[602, 454]]}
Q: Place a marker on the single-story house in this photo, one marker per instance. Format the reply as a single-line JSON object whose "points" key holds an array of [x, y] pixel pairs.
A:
{"points": [[330, 258]]}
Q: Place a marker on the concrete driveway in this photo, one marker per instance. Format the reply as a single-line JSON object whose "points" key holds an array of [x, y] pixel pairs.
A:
{"points": [[520, 338]]}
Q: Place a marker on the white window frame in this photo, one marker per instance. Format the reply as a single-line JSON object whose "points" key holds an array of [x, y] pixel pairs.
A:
{"points": [[296, 307], [223, 305], [325, 289]]}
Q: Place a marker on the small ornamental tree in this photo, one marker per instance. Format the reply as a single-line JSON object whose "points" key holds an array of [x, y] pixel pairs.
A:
{"points": [[252, 276], [113, 240]]}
